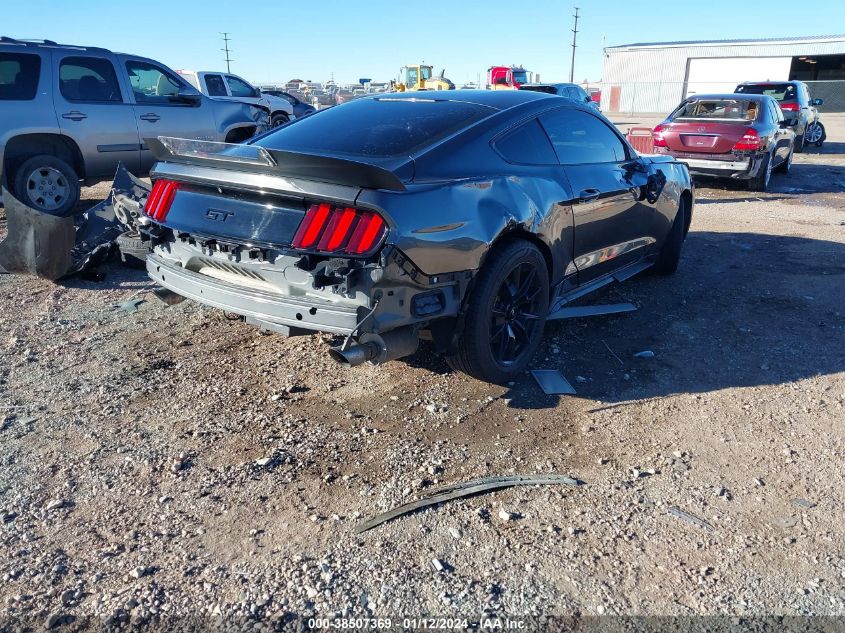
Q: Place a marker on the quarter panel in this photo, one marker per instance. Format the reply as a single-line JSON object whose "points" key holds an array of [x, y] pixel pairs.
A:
{"points": [[451, 226]]}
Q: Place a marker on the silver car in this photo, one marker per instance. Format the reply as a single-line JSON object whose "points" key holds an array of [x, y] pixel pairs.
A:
{"points": [[70, 114]]}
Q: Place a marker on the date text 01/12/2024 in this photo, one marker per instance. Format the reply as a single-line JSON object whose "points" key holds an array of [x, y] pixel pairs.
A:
{"points": [[419, 623]]}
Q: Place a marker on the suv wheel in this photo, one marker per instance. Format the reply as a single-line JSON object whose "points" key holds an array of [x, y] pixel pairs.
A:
{"points": [[278, 119], [505, 314], [815, 134], [48, 184]]}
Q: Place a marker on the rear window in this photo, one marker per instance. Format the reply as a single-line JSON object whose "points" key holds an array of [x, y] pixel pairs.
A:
{"points": [[781, 92], [376, 127], [547, 89], [19, 76], [725, 109]]}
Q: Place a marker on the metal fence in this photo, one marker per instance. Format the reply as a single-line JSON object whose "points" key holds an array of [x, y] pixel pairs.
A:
{"points": [[663, 97]]}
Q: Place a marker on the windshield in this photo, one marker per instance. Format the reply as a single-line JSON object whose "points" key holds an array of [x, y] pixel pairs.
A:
{"points": [[724, 109], [781, 92], [520, 76], [376, 127]]}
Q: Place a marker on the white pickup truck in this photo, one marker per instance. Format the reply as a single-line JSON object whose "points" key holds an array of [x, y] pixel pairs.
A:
{"points": [[229, 87]]}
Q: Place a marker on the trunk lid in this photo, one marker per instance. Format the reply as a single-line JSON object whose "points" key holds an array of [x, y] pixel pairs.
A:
{"points": [[705, 137]]}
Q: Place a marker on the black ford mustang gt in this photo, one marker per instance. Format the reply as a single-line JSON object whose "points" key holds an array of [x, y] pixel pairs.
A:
{"points": [[465, 218]]}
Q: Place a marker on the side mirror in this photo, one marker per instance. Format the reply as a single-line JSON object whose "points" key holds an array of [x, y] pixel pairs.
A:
{"points": [[188, 95], [817, 102]]}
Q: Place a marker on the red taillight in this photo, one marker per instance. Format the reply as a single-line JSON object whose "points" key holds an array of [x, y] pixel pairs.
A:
{"points": [[329, 229], [368, 232], [657, 135], [790, 107], [308, 232], [161, 198], [750, 141]]}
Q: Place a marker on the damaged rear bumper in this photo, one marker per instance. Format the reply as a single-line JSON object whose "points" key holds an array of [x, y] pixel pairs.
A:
{"points": [[258, 306], [384, 303]]}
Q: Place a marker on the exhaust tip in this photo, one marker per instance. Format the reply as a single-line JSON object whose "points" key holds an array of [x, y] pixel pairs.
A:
{"points": [[355, 355], [339, 357]]}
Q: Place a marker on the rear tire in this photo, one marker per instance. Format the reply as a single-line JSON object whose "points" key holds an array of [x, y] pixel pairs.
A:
{"points": [[786, 165], [505, 314], [799, 141], [670, 254], [760, 182], [48, 184]]}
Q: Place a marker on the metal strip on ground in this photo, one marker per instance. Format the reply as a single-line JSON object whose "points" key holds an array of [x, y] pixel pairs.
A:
{"points": [[588, 311], [552, 382], [466, 489]]}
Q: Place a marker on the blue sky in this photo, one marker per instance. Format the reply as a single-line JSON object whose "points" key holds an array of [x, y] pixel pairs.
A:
{"points": [[311, 39]]}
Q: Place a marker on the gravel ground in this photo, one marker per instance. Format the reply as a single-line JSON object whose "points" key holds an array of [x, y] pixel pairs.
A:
{"points": [[169, 462]]}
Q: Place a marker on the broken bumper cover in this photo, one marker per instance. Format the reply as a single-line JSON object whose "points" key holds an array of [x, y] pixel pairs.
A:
{"points": [[254, 304]]}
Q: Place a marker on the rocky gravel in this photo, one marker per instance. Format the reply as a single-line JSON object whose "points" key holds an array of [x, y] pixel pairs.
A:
{"points": [[171, 463]]}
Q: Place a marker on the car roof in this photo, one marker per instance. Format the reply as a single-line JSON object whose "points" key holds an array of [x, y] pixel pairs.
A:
{"points": [[768, 83], [556, 85], [497, 99], [729, 95]]}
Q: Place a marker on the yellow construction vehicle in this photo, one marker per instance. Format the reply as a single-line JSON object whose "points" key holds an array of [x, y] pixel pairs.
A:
{"points": [[421, 77]]}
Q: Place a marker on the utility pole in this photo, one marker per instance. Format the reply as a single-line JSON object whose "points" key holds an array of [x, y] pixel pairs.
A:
{"points": [[225, 48], [574, 40]]}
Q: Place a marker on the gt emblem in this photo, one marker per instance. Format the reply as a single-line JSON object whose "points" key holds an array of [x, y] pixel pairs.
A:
{"points": [[217, 215]]}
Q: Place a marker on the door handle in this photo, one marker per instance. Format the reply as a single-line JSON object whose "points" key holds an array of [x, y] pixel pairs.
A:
{"points": [[74, 115], [152, 117], [588, 195]]}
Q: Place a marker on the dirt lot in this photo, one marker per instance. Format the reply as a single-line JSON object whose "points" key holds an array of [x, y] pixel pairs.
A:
{"points": [[169, 462]]}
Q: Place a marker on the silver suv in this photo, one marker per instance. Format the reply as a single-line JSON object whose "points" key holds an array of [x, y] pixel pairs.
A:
{"points": [[70, 114]]}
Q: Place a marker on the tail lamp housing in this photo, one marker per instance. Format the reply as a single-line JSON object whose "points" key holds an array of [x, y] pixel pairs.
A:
{"points": [[340, 231], [750, 141], [657, 136], [790, 107], [161, 199]]}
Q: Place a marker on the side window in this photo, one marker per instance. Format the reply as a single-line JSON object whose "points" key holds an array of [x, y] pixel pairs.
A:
{"points": [[89, 80], [580, 138], [239, 87], [777, 113], [152, 84], [215, 85], [526, 145], [19, 76]]}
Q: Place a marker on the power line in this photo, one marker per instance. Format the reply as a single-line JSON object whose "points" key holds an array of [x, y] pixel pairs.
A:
{"points": [[225, 48], [574, 40]]}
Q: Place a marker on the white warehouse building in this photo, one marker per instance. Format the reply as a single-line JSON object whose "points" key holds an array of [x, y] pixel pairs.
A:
{"points": [[656, 77]]}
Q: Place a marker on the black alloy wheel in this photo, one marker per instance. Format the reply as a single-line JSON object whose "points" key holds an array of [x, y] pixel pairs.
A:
{"points": [[505, 314], [516, 314]]}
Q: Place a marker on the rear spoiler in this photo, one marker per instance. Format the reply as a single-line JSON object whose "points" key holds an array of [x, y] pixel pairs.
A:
{"points": [[256, 159]]}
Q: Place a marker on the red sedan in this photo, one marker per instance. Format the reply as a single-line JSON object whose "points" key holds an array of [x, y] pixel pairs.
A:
{"points": [[743, 137]]}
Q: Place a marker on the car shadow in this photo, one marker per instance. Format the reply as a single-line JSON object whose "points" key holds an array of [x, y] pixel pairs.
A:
{"points": [[743, 310], [827, 147], [802, 178]]}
